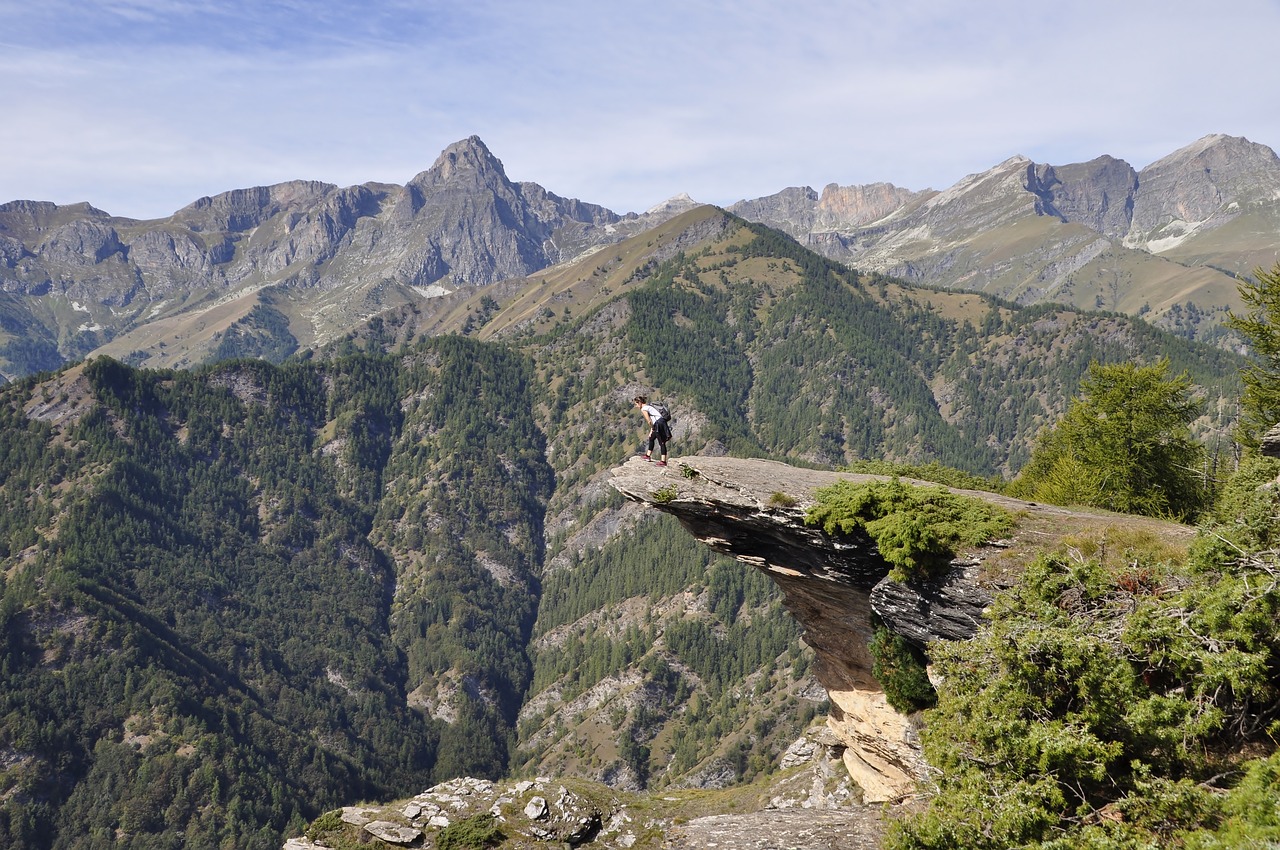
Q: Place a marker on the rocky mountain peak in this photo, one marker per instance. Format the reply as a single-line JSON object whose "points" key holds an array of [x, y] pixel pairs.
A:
{"points": [[674, 205], [468, 158], [1213, 148], [1098, 193], [1212, 170], [999, 178], [24, 220], [1200, 187]]}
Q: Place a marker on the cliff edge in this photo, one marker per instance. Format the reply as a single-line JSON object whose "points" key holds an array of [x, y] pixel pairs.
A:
{"points": [[753, 510]]}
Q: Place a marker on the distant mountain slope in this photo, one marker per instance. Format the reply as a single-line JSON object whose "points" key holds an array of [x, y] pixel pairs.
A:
{"points": [[312, 259], [267, 271], [1166, 243]]}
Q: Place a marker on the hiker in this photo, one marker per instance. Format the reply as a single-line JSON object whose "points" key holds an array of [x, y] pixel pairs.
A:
{"points": [[659, 430]]}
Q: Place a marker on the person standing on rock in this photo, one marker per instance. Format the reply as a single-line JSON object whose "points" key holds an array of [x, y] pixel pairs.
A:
{"points": [[659, 429]]}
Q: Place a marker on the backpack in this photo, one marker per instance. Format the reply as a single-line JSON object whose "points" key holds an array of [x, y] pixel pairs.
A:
{"points": [[664, 412]]}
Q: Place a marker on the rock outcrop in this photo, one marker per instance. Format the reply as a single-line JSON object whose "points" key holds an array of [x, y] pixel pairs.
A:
{"points": [[754, 510], [542, 810], [813, 806]]}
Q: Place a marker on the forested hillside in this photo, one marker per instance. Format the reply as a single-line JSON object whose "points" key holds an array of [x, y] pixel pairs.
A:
{"points": [[237, 596], [778, 351], [208, 634], [764, 349]]}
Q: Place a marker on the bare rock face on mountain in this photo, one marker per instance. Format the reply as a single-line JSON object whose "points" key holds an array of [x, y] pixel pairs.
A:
{"points": [[1201, 188], [834, 586], [1099, 193], [1097, 234], [802, 211], [480, 226], [357, 251]]}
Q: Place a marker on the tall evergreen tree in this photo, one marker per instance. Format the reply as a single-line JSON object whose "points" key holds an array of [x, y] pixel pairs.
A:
{"points": [[1260, 325], [1125, 444]]}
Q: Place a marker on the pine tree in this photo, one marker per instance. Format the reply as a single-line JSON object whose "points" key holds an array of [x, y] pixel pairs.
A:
{"points": [[1124, 444], [1260, 402]]}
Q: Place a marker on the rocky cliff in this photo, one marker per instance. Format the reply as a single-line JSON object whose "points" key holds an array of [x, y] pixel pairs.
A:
{"points": [[754, 510], [73, 278]]}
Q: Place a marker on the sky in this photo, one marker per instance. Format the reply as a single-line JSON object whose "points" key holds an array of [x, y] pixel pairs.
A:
{"points": [[142, 106]]}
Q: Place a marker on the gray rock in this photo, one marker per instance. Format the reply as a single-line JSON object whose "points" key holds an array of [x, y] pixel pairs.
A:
{"points": [[949, 607], [536, 809], [1271, 442], [359, 815], [392, 833]]}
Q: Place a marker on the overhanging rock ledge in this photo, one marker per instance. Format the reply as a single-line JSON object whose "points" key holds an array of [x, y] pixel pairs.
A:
{"points": [[754, 511]]}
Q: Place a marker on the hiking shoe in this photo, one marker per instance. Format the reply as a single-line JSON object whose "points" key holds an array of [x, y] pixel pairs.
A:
{"points": [[662, 463], [647, 459]]}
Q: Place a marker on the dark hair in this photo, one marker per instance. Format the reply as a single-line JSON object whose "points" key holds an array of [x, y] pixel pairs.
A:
{"points": [[640, 399]]}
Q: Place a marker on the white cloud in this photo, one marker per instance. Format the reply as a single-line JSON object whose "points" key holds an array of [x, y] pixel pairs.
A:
{"points": [[140, 106]]}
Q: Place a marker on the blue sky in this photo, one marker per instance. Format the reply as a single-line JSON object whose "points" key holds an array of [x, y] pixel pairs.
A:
{"points": [[142, 106]]}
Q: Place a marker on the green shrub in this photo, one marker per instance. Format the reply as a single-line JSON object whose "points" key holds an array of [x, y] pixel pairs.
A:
{"points": [[900, 668], [916, 529], [665, 495], [1124, 444], [1093, 710], [473, 833], [330, 830], [782, 500], [327, 822]]}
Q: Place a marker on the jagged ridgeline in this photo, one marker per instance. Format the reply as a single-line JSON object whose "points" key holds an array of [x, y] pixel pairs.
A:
{"points": [[238, 596]]}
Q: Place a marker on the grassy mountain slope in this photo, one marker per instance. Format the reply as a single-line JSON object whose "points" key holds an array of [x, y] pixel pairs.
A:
{"points": [[1167, 243]]}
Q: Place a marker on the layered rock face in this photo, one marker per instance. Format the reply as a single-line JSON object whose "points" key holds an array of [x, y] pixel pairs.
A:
{"points": [[834, 586], [827, 586]]}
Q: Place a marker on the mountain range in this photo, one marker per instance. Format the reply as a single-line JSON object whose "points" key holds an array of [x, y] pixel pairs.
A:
{"points": [[267, 271], [237, 595], [1167, 242], [363, 539]]}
